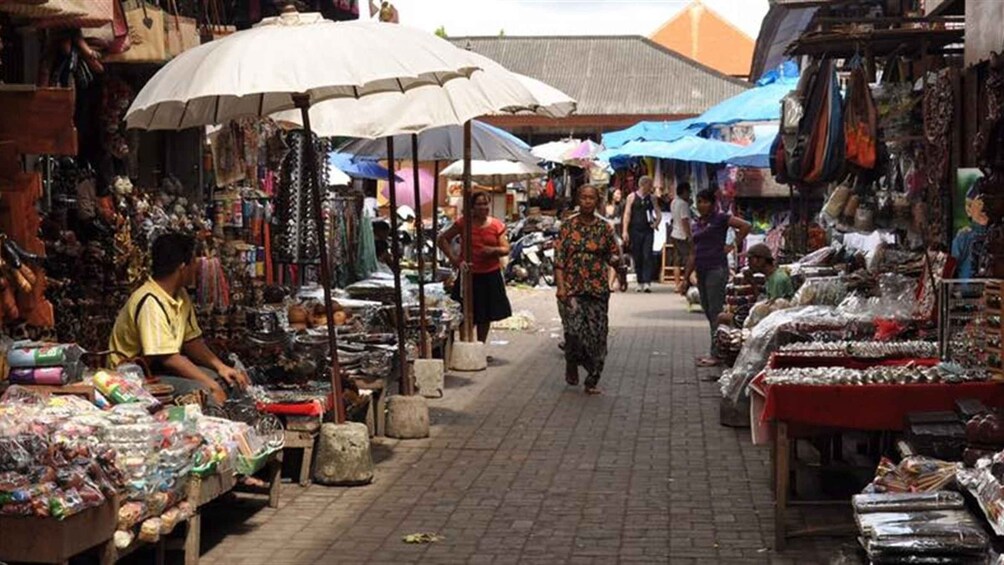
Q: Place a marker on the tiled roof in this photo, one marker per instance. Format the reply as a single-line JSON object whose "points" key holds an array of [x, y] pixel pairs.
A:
{"points": [[707, 37], [611, 74]]}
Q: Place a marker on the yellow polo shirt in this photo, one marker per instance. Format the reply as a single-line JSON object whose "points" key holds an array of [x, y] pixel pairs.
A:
{"points": [[153, 322]]}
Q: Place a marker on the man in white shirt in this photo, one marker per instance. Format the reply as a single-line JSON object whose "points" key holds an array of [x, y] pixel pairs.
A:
{"points": [[681, 234]]}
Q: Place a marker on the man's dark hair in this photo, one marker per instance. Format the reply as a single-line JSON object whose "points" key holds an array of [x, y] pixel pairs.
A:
{"points": [[381, 227], [171, 251], [683, 188], [707, 195]]}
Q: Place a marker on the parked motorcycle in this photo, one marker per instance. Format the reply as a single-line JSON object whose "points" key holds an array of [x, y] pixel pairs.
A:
{"points": [[532, 259]]}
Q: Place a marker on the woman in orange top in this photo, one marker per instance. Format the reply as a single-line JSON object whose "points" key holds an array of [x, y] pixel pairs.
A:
{"points": [[488, 244]]}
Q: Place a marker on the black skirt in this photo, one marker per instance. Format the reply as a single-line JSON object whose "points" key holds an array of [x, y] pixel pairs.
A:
{"points": [[490, 301]]}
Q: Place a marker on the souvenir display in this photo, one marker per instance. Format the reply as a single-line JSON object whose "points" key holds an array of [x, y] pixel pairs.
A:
{"points": [[882, 375]]}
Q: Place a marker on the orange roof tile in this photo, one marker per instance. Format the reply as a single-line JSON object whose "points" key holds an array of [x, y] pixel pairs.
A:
{"points": [[709, 38]]}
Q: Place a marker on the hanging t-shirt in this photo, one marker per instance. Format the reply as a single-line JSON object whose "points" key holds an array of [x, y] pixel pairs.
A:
{"points": [[489, 235]]}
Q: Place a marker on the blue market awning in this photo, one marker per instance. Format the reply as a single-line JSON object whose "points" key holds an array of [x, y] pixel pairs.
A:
{"points": [[691, 148], [756, 154], [760, 104], [361, 168], [649, 131]]}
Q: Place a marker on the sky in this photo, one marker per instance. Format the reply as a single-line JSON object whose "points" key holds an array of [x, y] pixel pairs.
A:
{"points": [[565, 17]]}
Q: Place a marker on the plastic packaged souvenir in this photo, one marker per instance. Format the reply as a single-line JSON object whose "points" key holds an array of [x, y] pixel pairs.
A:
{"points": [[905, 502], [34, 354], [123, 539], [823, 291], [53, 376], [120, 388]]}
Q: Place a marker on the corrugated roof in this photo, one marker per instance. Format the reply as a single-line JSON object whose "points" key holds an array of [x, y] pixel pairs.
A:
{"points": [[611, 74]]}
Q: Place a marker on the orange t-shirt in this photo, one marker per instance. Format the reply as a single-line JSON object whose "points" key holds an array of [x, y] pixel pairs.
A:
{"points": [[488, 235]]}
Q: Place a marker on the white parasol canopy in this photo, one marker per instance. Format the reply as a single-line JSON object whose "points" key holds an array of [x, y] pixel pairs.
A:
{"points": [[256, 72], [555, 151], [494, 173], [490, 89], [447, 143], [551, 102]]}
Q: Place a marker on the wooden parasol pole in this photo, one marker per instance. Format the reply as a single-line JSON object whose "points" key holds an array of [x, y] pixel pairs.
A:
{"points": [[404, 383], [302, 101], [467, 288], [423, 334]]}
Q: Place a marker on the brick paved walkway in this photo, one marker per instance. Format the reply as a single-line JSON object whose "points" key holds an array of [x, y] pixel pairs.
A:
{"points": [[521, 468]]}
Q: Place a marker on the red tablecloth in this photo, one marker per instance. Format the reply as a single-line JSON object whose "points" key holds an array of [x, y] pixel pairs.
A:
{"points": [[307, 408], [869, 407]]}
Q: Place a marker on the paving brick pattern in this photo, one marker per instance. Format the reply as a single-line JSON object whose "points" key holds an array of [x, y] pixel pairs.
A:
{"points": [[521, 468]]}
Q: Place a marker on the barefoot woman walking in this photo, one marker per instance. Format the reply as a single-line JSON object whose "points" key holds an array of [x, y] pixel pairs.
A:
{"points": [[585, 249]]}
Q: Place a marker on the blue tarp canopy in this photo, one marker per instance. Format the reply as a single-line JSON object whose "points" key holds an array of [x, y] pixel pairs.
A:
{"points": [[691, 148], [760, 104], [648, 131], [756, 154], [359, 168]]}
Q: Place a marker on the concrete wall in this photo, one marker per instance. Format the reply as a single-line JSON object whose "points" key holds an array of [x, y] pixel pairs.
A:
{"points": [[984, 30]]}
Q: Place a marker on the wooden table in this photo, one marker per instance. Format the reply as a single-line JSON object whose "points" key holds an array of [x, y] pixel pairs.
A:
{"points": [[801, 411], [32, 539]]}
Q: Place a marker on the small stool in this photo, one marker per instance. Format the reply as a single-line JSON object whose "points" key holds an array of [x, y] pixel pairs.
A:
{"points": [[301, 433], [378, 403], [670, 269]]}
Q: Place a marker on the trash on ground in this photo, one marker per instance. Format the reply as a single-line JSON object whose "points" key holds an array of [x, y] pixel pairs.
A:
{"points": [[522, 320], [423, 537]]}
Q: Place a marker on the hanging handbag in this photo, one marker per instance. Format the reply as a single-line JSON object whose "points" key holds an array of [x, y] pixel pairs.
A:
{"points": [[861, 122], [181, 33], [146, 34], [113, 37], [215, 26]]}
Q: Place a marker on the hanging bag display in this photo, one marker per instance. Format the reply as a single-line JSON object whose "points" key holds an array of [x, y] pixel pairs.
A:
{"points": [[215, 26], [146, 34], [96, 13], [181, 33], [860, 122], [113, 37]]}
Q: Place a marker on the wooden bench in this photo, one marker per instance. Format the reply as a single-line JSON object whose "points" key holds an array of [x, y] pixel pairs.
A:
{"points": [[301, 434]]}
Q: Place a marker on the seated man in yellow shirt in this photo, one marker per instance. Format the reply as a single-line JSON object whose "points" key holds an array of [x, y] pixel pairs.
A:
{"points": [[158, 323]]}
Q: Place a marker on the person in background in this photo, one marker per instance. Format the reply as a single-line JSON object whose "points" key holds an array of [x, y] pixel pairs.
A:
{"points": [[158, 324], [488, 245], [779, 284], [381, 240], [586, 248], [641, 218], [680, 234], [615, 216], [708, 260]]}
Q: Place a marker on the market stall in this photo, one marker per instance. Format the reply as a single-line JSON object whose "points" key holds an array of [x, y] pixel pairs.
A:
{"points": [[887, 354]]}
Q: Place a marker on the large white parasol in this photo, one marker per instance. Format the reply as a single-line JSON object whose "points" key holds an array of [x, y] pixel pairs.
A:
{"points": [[298, 60], [424, 107], [446, 143], [495, 173], [294, 61], [257, 72]]}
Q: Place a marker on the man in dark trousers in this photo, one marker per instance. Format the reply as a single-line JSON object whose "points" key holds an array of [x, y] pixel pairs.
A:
{"points": [[641, 218]]}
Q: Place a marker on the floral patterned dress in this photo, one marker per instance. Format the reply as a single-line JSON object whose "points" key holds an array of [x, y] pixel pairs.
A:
{"points": [[584, 252]]}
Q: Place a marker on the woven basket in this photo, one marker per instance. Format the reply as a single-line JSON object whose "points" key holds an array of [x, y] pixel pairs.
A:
{"points": [[51, 9]]}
